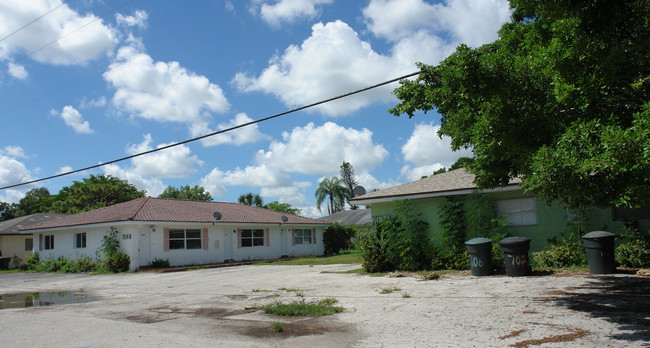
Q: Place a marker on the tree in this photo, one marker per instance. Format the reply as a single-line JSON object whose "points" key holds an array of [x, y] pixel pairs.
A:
{"points": [[564, 82], [283, 207], [7, 211], [349, 181], [36, 200], [462, 162], [94, 192], [196, 193], [334, 189], [251, 199]]}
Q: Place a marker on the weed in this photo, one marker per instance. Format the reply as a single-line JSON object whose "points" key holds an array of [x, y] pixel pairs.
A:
{"points": [[289, 289], [301, 308], [389, 290], [261, 290], [276, 327], [406, 295]]}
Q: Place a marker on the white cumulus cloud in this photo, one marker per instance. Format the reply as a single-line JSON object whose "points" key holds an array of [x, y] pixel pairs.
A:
{"points": [[174, 162], [153, 186], [63, 37], [74, 120], [240, 136], [163, 91], [138, 19], [17, 71], [278, 11]]}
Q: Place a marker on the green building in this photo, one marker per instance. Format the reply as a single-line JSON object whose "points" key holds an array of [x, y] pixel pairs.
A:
{"points": [[527, 215]]}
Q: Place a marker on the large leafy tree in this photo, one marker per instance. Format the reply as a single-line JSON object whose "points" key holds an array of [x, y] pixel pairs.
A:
{"points": [[7, 211], [282, 207], [560, 99], [94, 192], [251, 199], [349, 181], [196, 193], [36, 200], [334, 189]]}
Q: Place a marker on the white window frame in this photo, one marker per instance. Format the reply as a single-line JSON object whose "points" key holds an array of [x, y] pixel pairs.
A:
{"points": [[80, 240], [521, 211], [252, 237], [48, 242], [302, 236], [188, 242]]}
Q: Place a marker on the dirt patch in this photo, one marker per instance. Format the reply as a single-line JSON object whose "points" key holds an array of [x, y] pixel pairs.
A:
{"points": [[314, 326], [160, 314], [512, 334]]}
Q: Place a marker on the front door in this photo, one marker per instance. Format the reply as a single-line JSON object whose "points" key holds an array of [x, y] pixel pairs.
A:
{"points": [[227, 244], [143, 248]]}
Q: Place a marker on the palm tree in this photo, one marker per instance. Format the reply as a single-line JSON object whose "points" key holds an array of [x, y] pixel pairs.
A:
{"points": [[251, 199], [335, 189]]}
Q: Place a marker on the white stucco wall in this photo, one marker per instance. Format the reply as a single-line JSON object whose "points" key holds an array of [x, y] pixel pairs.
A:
{"points": [[11, 245], [146, 242]]}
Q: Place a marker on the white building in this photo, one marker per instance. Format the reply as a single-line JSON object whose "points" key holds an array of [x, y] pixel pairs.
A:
{"points": [[181, 231]]}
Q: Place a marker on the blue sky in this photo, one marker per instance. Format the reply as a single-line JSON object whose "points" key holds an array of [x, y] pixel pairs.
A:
{"points": [[88, 83]]}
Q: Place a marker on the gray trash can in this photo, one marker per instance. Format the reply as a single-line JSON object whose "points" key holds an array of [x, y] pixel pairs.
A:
{"points": [[515, 254], [600, 252], [480, 256]]}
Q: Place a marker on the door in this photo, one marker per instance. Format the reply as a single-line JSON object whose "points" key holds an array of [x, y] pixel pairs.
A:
{"points": [[283, 241], [143, 248], [227, 244]]}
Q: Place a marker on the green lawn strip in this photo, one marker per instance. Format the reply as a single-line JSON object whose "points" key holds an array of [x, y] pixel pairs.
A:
{"points": [[302, 308], [353, 258]]}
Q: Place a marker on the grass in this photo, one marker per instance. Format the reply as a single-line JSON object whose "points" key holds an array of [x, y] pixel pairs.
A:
{"points": [[302, 308], [406, 295], [389, 290], [347, 258], [276, 327], [261, 290]]}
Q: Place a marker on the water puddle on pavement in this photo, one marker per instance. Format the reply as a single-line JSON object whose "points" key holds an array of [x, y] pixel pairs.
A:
{"points": [[42, 299]]}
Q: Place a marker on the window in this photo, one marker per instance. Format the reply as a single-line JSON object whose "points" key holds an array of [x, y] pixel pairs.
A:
{"points": [[518, 211], [80, 240], [49, 242], [627, 214], [302, 236], [185, 239], [250, 238], [29, 244]]}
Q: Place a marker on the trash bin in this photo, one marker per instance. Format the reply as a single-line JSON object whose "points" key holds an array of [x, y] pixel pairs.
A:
{"points": [[515, 255], [600, 252], [480, 256], [4, 262]]}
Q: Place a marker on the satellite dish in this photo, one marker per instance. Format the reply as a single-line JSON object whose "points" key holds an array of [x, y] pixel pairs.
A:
{"points": [[284, 218], [217, 216], [358, 191]]}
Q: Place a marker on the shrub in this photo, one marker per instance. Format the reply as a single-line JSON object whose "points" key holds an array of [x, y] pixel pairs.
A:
{"points": [[337, 237], [636, 252], [566, 251], [160, 263], [117, 262], [114, 259], [373, 251], [32, 261]]}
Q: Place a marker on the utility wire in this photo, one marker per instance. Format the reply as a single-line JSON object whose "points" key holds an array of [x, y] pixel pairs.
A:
{"points": [[217, 132], [34, 20]]}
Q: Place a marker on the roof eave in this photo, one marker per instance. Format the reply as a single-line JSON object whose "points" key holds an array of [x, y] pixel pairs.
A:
{"points": [[385, 199]]}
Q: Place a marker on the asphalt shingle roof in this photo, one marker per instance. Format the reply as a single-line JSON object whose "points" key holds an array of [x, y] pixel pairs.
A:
{"points": [[350, 217], [151, 209], [13, 226], [448, 182]]}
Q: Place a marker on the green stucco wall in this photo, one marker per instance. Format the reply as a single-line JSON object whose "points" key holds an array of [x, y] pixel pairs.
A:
{"points": [[551, 219]]}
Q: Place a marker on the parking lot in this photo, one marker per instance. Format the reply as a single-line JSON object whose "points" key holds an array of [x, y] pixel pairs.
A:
{"points": [[216, 307]]}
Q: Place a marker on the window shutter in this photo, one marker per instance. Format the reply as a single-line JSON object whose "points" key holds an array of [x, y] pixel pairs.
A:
{"points": [[293, 237], [205, 239], [313, 235], [40, 242], [239, 237], [268, 240], [166, 239]]}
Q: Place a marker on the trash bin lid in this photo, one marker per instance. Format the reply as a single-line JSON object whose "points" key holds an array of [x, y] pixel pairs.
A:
{"points": [[514, 240], [479, 240], [598, 234]]}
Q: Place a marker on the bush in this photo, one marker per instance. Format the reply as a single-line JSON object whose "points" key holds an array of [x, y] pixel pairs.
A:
{"points": [[114, 259], [159, 263], [636, 252], [561, 253], [117, 262], [32, 261], [337, 237], [373, 251]]}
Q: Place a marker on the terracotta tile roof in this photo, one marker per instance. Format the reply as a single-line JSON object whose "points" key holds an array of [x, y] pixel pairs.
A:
{"points": [[13, 226], [151, 209], [444, 184]]}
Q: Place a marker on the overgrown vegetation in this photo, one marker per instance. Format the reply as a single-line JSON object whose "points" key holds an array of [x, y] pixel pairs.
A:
{"points": [[635, 252], [337, 237], [160, 263], [302, 308], [567, 250], [110, 259]]}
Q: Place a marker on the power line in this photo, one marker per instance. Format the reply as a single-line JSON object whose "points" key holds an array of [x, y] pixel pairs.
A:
{"points": [[34, 20], [215, 133]]}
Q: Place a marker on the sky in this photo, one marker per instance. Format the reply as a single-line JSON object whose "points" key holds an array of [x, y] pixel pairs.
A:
{"points": [[85, 82]]}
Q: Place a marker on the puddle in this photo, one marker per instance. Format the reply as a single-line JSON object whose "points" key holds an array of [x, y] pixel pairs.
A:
{"points": [[42, 299]]}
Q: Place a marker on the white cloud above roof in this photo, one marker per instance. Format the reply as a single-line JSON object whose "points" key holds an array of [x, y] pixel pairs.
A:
{"points": [[240, 136], [174, 162], [153, 186], [286, 11], [138, 19], [73, 119], [162, 91], [63, 37]]}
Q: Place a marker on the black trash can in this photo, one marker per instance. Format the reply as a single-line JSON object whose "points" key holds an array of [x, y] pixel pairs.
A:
{"points": [[480, 256], [515, 254], [4, 262], [600, 252]]}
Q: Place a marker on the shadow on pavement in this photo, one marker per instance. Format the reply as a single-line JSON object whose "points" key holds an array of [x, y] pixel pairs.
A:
{"points": [[623, 300]]}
